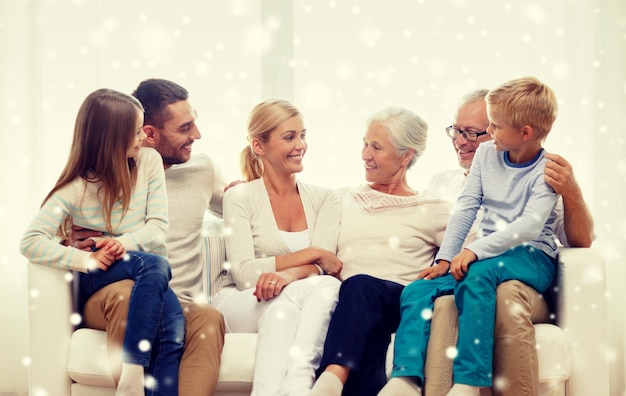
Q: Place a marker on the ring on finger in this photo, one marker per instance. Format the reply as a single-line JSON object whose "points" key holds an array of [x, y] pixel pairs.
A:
{"points": [[271, 283]]}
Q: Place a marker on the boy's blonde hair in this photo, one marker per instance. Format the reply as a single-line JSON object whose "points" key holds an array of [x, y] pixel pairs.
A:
{"points": [[525, 101]]}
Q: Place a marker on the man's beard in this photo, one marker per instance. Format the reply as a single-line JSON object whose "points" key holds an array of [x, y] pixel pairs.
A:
{"points": [[172, 161]]}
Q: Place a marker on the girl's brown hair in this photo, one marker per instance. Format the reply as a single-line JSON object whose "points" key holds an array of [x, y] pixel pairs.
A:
{"points": [[104, 130], [264, 118]]}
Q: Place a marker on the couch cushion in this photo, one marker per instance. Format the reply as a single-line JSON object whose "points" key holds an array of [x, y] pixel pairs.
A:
{"points": [[86, 390], [553, 353], [237, 367], [87, 362], [215, 255]]}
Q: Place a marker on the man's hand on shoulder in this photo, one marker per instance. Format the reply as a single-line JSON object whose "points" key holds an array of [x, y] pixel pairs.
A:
{"points": [[560, 176], [232, 184], [577, 220]]}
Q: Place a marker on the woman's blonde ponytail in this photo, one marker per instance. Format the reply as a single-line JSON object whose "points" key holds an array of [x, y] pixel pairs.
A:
{"points": [[251, 164]]}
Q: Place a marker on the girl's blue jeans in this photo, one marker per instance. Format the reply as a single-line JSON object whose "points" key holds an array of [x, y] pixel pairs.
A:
{"points": [[475, 297], [155, 330]]}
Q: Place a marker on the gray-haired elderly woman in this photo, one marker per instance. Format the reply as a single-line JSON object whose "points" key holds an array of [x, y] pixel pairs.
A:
{"points": [[389, 233]]}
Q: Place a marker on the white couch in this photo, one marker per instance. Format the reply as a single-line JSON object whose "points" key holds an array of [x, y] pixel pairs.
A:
{"points": [[572, 358]]}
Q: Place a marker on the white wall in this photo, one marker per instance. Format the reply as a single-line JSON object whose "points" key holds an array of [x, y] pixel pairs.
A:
{"points": [[339, 62]]}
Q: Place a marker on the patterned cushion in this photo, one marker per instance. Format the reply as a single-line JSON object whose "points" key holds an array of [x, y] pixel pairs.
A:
{"points": [[214, 253]]}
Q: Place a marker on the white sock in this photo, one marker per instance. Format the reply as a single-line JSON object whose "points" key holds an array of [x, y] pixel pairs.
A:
{"points": [[328, 384], [464, 390], [400, 386], [131, 380]]}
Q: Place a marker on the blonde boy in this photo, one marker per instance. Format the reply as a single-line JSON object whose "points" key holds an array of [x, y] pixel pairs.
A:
{"points": [[517, 240]]}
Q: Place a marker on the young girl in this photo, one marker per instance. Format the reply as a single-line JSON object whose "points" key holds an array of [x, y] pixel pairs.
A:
{"points": [[112, 185]]}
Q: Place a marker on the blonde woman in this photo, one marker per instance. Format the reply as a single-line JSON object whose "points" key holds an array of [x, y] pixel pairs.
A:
{"points": [[281, 243]]}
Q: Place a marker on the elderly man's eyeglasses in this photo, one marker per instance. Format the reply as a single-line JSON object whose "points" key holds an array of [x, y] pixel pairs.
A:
{"points": [[470, 136]]}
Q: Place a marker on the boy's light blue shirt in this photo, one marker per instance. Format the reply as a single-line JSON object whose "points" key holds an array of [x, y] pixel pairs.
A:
{"points": [[518, 207]]}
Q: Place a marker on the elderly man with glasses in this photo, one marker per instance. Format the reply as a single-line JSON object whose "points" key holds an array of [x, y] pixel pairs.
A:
{"points": [[518, 306]]}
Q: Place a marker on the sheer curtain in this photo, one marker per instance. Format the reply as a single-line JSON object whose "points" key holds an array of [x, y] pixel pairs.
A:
{"points": [[21, 172], [339, 62], [609, 169]]}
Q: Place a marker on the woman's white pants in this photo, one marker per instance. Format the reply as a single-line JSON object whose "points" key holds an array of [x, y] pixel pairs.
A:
{"points": [[291, 331]]}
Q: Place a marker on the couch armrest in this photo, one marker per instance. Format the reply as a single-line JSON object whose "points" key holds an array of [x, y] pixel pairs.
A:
{"points": [[582, 313], [50, 329]]}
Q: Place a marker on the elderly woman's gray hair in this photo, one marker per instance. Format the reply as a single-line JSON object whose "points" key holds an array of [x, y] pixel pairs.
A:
{"points": [[407, 130]]}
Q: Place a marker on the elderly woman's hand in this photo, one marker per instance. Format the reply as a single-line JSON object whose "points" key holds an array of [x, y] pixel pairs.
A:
{"points": [[435, 271], [330, 263]]}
